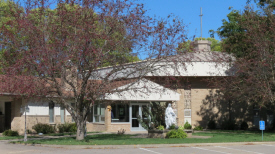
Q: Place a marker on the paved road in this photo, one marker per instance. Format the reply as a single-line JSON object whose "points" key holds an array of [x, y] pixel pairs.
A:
{"points": [[224, 148]]}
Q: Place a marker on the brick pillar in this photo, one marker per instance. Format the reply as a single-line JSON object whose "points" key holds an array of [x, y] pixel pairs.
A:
{"points": [[180, 107], [17, 119], [108, 117]]}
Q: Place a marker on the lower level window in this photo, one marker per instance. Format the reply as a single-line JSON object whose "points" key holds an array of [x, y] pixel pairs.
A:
{"points": [[99, 113], [120, 113]]}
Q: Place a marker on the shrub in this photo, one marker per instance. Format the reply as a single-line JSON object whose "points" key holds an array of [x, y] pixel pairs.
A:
{"points": [[181, 127], [228, 125], [244, 125], [160, 127], [211, 124], [198, 128], [176, 134], [172, 127], [67, 127], [10, 133], [187, 125], [43, 128]]}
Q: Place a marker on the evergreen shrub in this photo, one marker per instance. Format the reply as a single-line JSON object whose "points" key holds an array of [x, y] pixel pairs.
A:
{"points": [[67, 127], [198, 128], [187, 125], [173, 126], [10, 133], [43, 128]]}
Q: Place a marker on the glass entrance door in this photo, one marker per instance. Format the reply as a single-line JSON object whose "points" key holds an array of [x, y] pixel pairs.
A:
{"points": [[136, 111], [135, 114]]}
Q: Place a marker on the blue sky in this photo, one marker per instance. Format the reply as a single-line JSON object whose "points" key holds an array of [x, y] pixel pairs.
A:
{"points": [[188, 10]]}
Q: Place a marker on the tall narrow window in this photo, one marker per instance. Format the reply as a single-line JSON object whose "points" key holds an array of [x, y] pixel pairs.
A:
{"points": [[51, 112], [62, 114], [73, 104], [90, 115], [99, 113]]}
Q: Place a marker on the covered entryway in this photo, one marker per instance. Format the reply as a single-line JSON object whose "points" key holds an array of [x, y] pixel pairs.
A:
{"points": [[139, 95]]}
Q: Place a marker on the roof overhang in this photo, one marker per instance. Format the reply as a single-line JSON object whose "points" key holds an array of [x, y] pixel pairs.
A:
{"points": [[143, 90]]}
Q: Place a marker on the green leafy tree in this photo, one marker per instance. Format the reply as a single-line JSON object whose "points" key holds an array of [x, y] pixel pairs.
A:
{"points": [[153, 116], [188, 46], [7, 9], [232, 33], [251, 38]]}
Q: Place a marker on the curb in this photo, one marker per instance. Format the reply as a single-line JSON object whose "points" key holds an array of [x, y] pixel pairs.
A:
{"points": [[147, 145]]}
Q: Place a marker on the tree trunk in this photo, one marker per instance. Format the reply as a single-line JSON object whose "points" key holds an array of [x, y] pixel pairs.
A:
{"points": [[81, 124]]}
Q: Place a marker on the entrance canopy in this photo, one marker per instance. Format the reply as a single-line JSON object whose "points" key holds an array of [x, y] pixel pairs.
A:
{"points": [[143, 90]]}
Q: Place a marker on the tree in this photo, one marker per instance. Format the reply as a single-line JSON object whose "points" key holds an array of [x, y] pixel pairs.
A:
{"points": [[254, 79], [233, 34], [154, 116], [5, 11], [60, 52], [215, 46]]}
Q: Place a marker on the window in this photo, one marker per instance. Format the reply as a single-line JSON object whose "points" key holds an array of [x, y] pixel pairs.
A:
{"points": [[99, 113], [51, 112], [62, 114], [90, 115], [73, 104], [120, 113], [187, 112]]}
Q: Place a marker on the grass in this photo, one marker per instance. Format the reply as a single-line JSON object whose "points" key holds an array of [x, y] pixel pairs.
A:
{"points": [[10, 137], [114, 139], [68, 133], [14, 137]]}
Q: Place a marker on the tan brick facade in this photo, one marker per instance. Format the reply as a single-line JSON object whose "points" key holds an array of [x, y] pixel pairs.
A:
{"points": [[204, 107]]}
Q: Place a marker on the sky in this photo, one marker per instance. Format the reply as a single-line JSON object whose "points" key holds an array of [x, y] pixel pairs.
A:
{"points": [[214, 11]]}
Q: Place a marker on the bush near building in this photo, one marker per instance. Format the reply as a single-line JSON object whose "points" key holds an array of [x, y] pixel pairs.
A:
{"points": [[43, 128]]}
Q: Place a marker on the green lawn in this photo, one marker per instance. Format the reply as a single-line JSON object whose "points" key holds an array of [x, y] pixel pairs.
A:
{"points": [[114, 139], [10, 137], [14, 137], [63, 134]]}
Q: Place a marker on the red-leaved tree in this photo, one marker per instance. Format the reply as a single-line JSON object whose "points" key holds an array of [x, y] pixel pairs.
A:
{"points": [[54, 50]]}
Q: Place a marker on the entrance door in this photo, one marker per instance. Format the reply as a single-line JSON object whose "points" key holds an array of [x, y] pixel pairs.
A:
{"points": [[135, 111], [7, 115]]}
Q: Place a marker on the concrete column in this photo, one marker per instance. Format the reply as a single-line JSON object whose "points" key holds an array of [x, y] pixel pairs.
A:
{"points": [[17, 119], [108, 117], [180, 106]]}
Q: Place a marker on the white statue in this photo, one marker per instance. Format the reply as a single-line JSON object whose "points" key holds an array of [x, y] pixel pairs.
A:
{"points": [[170, 116]]}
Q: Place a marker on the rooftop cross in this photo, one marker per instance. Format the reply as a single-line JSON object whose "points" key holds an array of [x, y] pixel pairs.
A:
{"points": [[201, 22]]}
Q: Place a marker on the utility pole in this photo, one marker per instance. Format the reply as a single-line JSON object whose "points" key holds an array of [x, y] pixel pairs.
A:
{"points": [[201, 22]]}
